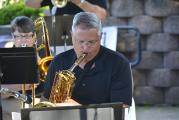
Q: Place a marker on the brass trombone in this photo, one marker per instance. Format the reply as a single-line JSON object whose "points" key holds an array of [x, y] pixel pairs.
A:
{"points": [[43, 62]]}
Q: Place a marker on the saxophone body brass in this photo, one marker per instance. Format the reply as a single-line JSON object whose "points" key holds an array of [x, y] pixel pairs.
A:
{"points": [[62, 88]]}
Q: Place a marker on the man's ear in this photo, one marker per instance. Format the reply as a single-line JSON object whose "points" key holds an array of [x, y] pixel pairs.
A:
{"points": [[72, 34], [100, 36]]}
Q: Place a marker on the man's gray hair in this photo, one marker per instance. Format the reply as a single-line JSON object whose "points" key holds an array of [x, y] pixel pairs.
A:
{"points": [[87, 20]]}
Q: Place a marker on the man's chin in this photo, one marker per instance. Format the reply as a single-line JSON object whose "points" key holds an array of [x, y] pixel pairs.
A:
{"points": [[88, 59]]}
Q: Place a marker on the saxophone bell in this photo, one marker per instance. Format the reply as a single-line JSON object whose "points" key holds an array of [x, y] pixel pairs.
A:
{"points": [[64, 83]]}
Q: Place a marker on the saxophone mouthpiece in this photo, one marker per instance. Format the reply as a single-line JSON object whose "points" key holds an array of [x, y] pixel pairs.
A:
{"points": [[81, 57]]}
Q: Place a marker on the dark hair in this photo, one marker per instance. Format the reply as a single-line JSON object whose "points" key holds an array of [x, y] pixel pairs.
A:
{"points": [[22, 24]]}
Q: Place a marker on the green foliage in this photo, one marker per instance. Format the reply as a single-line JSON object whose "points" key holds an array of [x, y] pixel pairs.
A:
{"points": [[9, 12]]}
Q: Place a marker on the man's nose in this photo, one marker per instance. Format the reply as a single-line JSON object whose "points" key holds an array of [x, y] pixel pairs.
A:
{"points": [[85, 47], [23, 39]]}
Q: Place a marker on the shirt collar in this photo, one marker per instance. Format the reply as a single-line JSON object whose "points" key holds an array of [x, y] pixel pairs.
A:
{"points": [[98, 60], [74, 57], [99, 64]]}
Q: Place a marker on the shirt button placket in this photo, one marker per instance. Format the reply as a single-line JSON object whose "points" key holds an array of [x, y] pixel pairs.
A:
{"points": [[83, 84]]}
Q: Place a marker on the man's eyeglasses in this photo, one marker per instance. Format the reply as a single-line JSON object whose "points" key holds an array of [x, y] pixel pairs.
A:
{"points": [[88, 43], [23, 36]]}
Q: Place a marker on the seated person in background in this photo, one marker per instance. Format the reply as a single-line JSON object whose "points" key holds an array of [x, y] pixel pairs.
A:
{"points": [[23, 34], [74, 6], [103, 76]]}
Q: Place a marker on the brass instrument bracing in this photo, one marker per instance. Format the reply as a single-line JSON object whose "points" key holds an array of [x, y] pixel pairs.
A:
{"points": [[43, 63]]}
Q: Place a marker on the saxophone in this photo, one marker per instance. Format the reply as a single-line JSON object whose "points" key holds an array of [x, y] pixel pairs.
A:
{"points": [[63, 85]]}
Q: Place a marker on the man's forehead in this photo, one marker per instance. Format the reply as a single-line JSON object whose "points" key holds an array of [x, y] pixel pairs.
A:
{"points": [[81, 29]]}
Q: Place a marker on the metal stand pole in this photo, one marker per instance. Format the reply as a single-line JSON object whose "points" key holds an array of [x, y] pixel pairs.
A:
{"points": [[1, 74], [54, 9], [23, 92], [33, 95]]}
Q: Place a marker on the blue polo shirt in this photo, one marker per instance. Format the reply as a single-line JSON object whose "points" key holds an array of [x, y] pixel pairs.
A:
{"points": [[108, 81]]}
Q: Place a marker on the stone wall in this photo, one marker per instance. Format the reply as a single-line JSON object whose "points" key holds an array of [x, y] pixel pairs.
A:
{"points": [[156, 78]]}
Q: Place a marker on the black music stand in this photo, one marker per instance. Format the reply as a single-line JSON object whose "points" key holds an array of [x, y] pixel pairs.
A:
{"points": [[18, 66], [59, 28], [106, 111]]}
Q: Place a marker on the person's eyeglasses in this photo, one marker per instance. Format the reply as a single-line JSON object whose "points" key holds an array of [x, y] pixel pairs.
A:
{"points": [[23, 36], [88, 43]]}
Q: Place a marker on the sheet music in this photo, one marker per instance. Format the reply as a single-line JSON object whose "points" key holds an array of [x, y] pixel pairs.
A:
{"points": [[109, 37], [16, 116], [100, 114], [74, 114], [55, 115]]}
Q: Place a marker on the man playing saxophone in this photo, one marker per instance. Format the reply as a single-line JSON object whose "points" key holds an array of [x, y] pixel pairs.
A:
{"points": [[103, 76]]}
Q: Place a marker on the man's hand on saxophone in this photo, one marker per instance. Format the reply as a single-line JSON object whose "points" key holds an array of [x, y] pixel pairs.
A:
{"points": [[69, 102], [44, 103]]}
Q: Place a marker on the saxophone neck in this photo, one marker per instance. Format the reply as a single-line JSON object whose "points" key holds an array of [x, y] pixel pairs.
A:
{"points": [[73, 66], [78, 61]]}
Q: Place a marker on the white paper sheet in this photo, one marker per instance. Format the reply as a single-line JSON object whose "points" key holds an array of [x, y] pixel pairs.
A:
{"points": [[109, 37], [16, 116]]}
